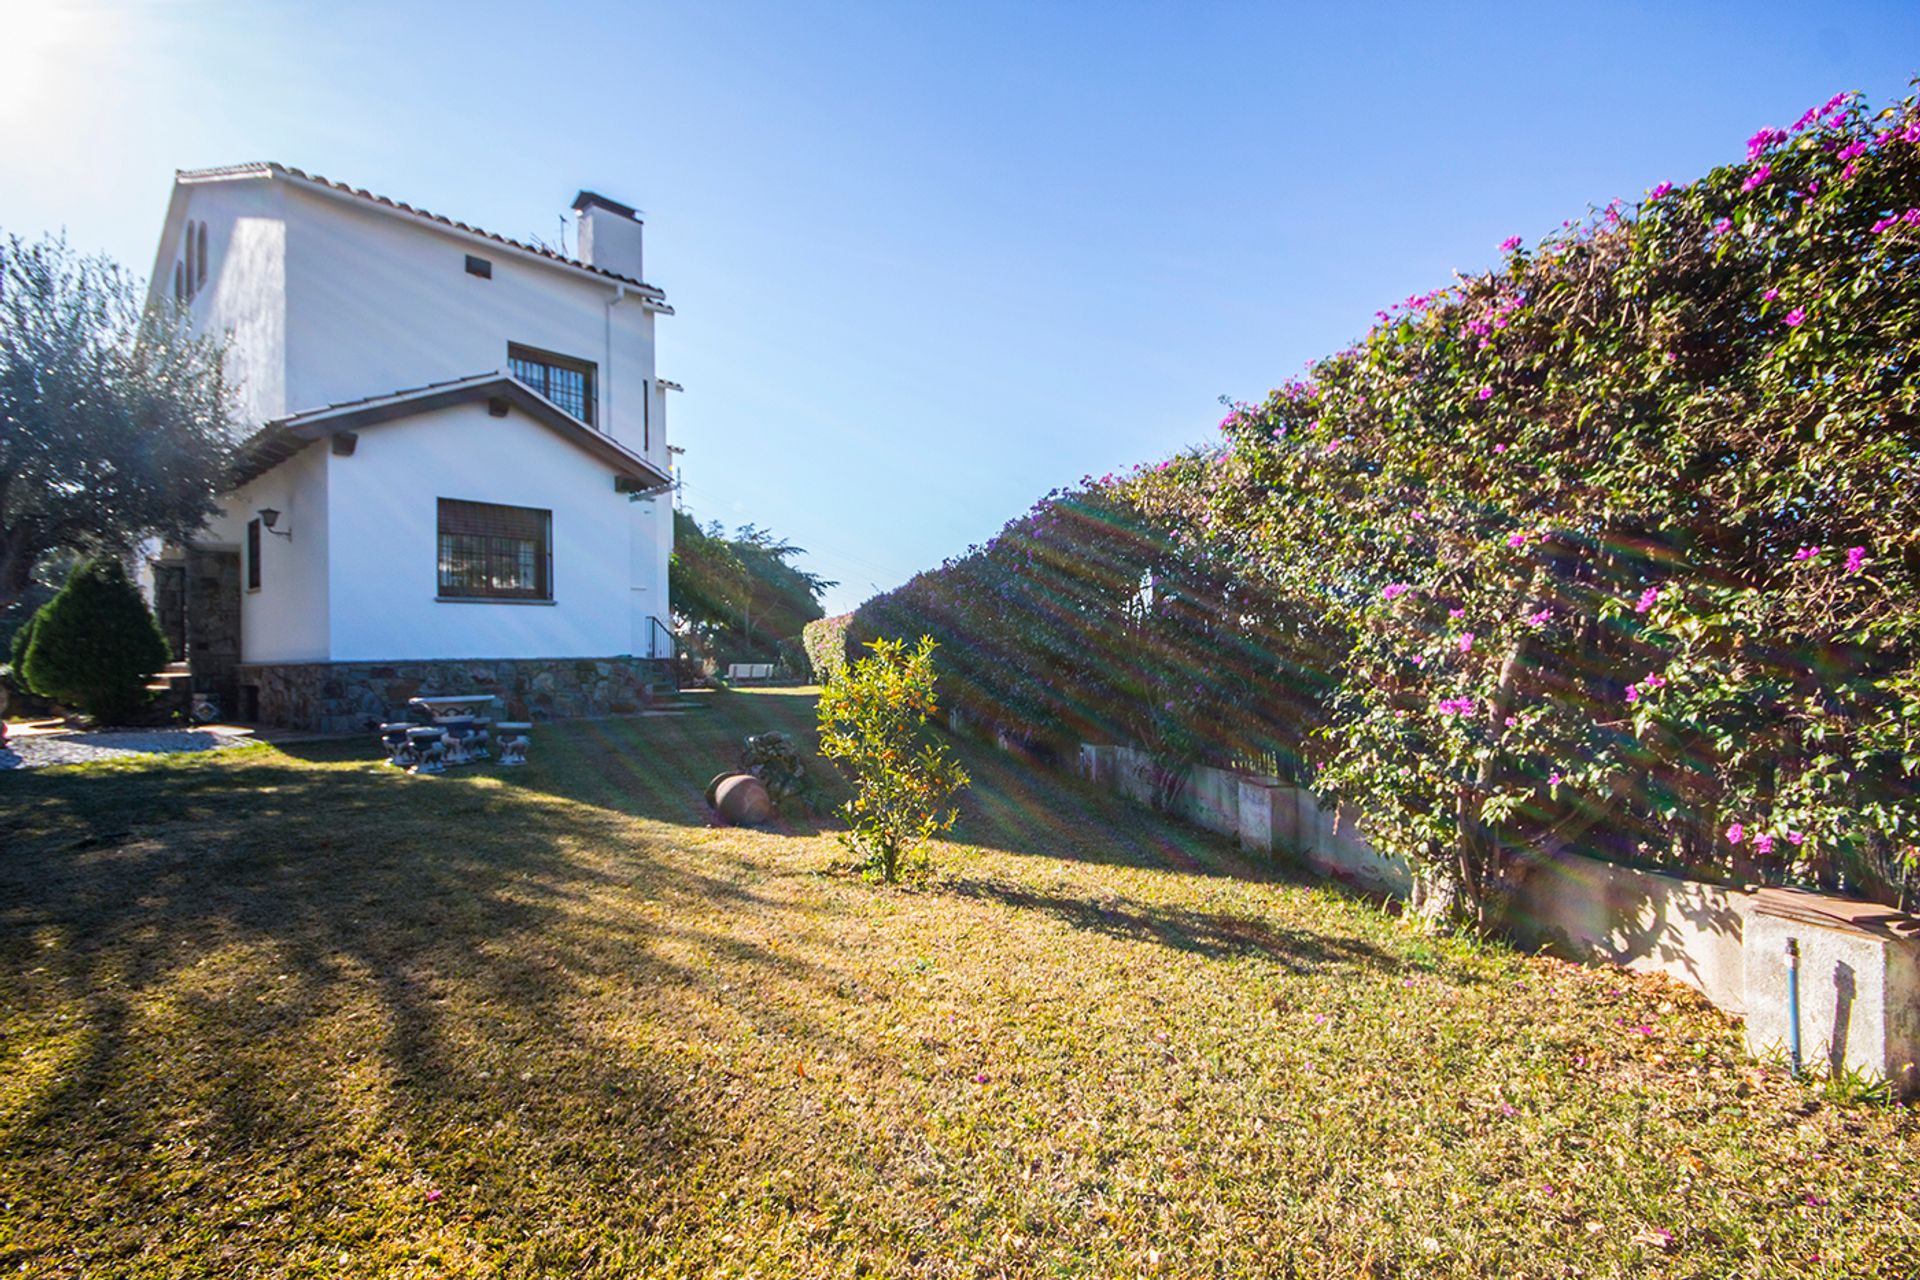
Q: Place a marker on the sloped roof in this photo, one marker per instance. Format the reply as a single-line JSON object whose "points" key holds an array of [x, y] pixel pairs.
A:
{"points": [[273, 169], [282, 438]]}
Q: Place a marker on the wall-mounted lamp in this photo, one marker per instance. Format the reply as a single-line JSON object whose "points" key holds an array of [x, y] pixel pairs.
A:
{"points": [[268, 518]]}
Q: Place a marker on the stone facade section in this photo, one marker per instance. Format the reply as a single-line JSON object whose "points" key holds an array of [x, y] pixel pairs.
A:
{"points": [[351, 697], [212, 625]]}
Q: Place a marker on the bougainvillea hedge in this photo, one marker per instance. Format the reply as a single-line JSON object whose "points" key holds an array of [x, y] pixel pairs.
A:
{"points": [[1086, 620], [1625, 534], [1615, 548]]}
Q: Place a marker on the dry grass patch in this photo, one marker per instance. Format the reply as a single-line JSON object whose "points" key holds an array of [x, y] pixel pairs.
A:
{"points": [[287, 1013]]}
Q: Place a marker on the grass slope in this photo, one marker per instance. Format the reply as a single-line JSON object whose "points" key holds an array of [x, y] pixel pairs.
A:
{"points": [[290, 1014]]}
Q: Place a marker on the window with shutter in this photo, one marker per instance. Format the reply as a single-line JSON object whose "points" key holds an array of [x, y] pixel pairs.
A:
{"points": [[494, 552]]}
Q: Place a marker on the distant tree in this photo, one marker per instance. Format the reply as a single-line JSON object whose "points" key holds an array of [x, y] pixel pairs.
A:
{"points": [[741, 595], [115, 423], [95, 644]]}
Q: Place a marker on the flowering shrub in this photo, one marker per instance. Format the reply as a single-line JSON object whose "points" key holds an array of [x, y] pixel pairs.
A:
{"points": [[872, 723], [825, 642], [1621, 542]]}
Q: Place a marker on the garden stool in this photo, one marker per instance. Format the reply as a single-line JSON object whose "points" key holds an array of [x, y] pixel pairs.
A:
{"points": [[459, 738], [514, 741], [429, 749], [393, 738]]}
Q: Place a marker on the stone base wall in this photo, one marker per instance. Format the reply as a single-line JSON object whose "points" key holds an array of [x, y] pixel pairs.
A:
{"points": [[348, 697]]}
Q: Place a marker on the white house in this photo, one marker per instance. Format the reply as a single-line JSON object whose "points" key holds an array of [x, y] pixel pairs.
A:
{"points": [[457, 474]]}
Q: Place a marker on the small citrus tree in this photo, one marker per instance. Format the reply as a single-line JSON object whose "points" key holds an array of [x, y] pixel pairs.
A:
{"points": [[872, 717]]}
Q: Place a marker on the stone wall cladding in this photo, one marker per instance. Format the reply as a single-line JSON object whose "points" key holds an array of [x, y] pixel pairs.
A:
{"points": [[348, 697]]}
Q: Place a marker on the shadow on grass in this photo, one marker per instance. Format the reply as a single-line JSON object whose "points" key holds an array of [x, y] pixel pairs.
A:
{"points": [[292, 952], [1214, 935]]}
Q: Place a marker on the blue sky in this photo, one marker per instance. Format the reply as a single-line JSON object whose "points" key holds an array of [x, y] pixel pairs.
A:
{"points": [[932, 261]]}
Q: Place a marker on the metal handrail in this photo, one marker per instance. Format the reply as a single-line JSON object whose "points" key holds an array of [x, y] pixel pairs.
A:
{"points": [[656, 630]]}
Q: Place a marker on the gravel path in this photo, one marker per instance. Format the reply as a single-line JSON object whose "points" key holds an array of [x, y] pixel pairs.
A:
{"points": [[36, 751]]}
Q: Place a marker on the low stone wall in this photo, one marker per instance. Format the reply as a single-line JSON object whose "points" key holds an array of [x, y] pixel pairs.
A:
{"points": [[1858, 965], [347, 697]]}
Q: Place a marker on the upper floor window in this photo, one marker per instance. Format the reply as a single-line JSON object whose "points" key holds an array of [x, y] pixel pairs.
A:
{"points": [[566, 382], [200, 267]]}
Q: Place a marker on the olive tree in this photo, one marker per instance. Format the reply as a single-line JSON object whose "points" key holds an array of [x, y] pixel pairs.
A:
{"points": [[115, 421]]}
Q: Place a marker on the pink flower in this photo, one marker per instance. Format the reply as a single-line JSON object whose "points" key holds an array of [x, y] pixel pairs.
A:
{"points": [[1796, 838], [1500, 448], [1760, 174], [1553, 779], [1769, 295], [1654, 681], [1806, 553], [1461, 706], [1795, 318], [1510, 244], [1659, 191], [1763, 844], [1485, 393], [1723, 226], [433, 1195], [1760, 141], [1419, 660], [1332, 445], [1394, 590], [1516, 540], [1648, 599], [1540, 618], [1466, 642], [980, 1078], [1856, 559], [1633, 693], [1456, 614], [1736, 833]]}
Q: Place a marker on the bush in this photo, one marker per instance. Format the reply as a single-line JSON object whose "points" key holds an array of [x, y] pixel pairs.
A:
{"points": [[825, 643], [95, 644], [775, 760], [872, 723], [1089, 619]]}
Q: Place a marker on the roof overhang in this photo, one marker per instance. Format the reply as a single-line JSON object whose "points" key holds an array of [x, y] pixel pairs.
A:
{"points": [[279, 440]]}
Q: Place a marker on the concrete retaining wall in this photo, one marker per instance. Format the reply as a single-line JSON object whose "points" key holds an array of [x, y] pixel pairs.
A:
{"points": [[1858, 965]]}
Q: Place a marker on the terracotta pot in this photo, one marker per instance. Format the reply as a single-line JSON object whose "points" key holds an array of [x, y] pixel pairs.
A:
{"points": [[742, 799]]}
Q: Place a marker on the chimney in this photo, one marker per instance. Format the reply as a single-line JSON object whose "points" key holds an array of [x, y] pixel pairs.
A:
{"points": [[608, 234]]}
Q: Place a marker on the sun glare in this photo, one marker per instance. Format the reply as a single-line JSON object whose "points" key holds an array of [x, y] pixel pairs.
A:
{"points": [[53, 48]]}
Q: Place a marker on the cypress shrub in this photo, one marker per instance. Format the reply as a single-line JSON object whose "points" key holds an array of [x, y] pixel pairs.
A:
{"points": [[95, 644]]}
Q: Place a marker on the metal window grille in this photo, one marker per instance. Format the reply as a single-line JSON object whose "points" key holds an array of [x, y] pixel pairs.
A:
{"points": [[489, 551], [253, 555], [568, 383]]}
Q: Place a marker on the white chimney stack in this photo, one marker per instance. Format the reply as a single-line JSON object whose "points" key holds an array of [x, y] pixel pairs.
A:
{"points": [[608, 234]]}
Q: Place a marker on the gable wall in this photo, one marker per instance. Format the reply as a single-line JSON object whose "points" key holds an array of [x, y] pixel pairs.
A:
{"points": [[378, 304], [384, 561], [242, 305]]}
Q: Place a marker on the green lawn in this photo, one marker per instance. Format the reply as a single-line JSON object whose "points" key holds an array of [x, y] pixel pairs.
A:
{"points": [[290, 1013]]}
